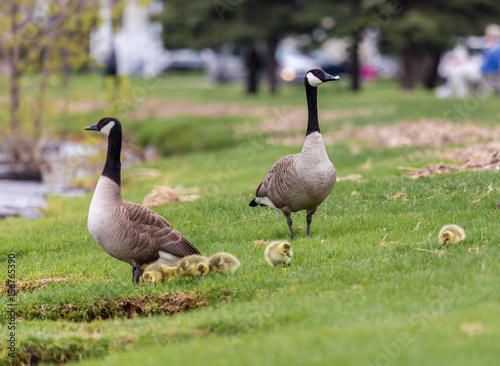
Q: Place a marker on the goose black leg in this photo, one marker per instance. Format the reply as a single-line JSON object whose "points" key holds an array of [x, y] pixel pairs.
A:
{"points": [[136, 275], [309, 220], [289, 222]]}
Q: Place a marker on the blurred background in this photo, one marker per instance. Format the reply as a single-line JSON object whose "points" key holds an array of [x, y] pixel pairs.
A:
{"points": [[64, 63]]}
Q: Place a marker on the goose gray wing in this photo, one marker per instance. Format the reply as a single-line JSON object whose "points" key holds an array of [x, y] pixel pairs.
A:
{"points": [[277, 181], [154, 232]]}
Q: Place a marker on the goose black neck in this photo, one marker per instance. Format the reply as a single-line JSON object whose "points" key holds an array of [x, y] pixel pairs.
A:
{"points": [[312, 109], [112, 167]]}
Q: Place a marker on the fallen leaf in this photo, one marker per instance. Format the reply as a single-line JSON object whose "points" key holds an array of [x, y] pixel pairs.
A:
{"points": [[260, 243], [473, 328]]}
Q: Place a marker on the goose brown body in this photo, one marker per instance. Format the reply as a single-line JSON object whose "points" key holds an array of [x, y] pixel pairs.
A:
{"points": [[128, 231]]}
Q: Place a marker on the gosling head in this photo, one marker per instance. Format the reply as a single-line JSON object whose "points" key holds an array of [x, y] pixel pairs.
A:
{"points": [[285, 249], [447, 237], [150, 278], [316, 77], [105, 125], [202, 269]]}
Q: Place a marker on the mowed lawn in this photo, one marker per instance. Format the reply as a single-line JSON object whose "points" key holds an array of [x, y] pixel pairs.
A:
{"points": [[370, 286]]}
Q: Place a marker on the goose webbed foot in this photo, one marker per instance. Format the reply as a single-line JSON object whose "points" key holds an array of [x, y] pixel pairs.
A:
{"points": [[289, 222]]}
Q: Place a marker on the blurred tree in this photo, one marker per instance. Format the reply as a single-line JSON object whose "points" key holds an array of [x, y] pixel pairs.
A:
{"points": [[199, 23], [425, 29], [43, 37]]}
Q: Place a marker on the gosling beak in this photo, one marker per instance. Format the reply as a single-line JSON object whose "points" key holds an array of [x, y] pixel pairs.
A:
{"points": [[151, 283], [443, 243], [288, 255], [329, 77], [200, 276], [162, 279], [92, 128]]}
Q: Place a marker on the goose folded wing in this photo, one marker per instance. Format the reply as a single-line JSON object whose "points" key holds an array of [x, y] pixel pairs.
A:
{"points": [[276, 175], [155, 229]]}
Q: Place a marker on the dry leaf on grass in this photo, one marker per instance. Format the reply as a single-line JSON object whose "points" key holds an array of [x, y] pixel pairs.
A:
{"points": [[260, 243], [32, 285], [473, 328], [479, 157], [352, 177], [163, 195], [297, 229], [435, 251], [397, 195]]}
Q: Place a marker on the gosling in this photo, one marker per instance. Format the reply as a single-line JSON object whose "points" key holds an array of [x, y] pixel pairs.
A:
{"points": [[156, 272], [279, 253], [192, 266], [451, 234], [223, 263]]}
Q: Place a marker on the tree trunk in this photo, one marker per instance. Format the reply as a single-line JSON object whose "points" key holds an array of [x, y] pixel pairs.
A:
{"points": [[15, 72], [41, 91], [354, 62], [431, 64], [408, 83], [271, 64], [253, 64]]}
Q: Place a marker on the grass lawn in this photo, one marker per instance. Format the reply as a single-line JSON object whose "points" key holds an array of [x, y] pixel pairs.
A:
{"points": [[371, 286]]}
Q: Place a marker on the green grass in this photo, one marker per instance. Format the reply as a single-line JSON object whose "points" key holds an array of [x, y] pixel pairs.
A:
{"points": [[359, 291]]}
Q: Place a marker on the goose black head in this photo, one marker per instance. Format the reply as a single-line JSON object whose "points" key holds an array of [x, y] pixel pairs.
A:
{"points": [[316, 77], [105, 125]]}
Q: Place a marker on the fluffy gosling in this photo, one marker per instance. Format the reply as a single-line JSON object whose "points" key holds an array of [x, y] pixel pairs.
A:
{"points": [[192, 266], [156, 272], [223, 263], [451, 234], [278, 252]]}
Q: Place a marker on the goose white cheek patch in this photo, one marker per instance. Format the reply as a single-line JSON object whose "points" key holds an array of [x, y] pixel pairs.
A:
{"points": [[106, 129], [313, 80]]}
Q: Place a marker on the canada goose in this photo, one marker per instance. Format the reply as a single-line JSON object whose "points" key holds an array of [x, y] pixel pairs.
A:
{"points": [[192, 266], [278, 252], [301, 181], [451, 234], [223, 263], [128, 231]]}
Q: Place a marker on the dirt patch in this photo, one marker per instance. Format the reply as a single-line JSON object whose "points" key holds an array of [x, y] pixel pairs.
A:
{"points": [[477, 157], [163, 195], [295, 119], [164, 303], [32, 285], [426, 133], [276, 119], [422, 133], [158, 108]]}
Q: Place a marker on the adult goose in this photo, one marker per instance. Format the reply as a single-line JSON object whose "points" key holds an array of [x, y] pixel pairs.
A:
{"points": [[127, 231], [301, 181]]}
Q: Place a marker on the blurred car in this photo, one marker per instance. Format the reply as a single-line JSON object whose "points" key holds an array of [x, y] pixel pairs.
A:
{"points": [[185, 59], [293, 64]]}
